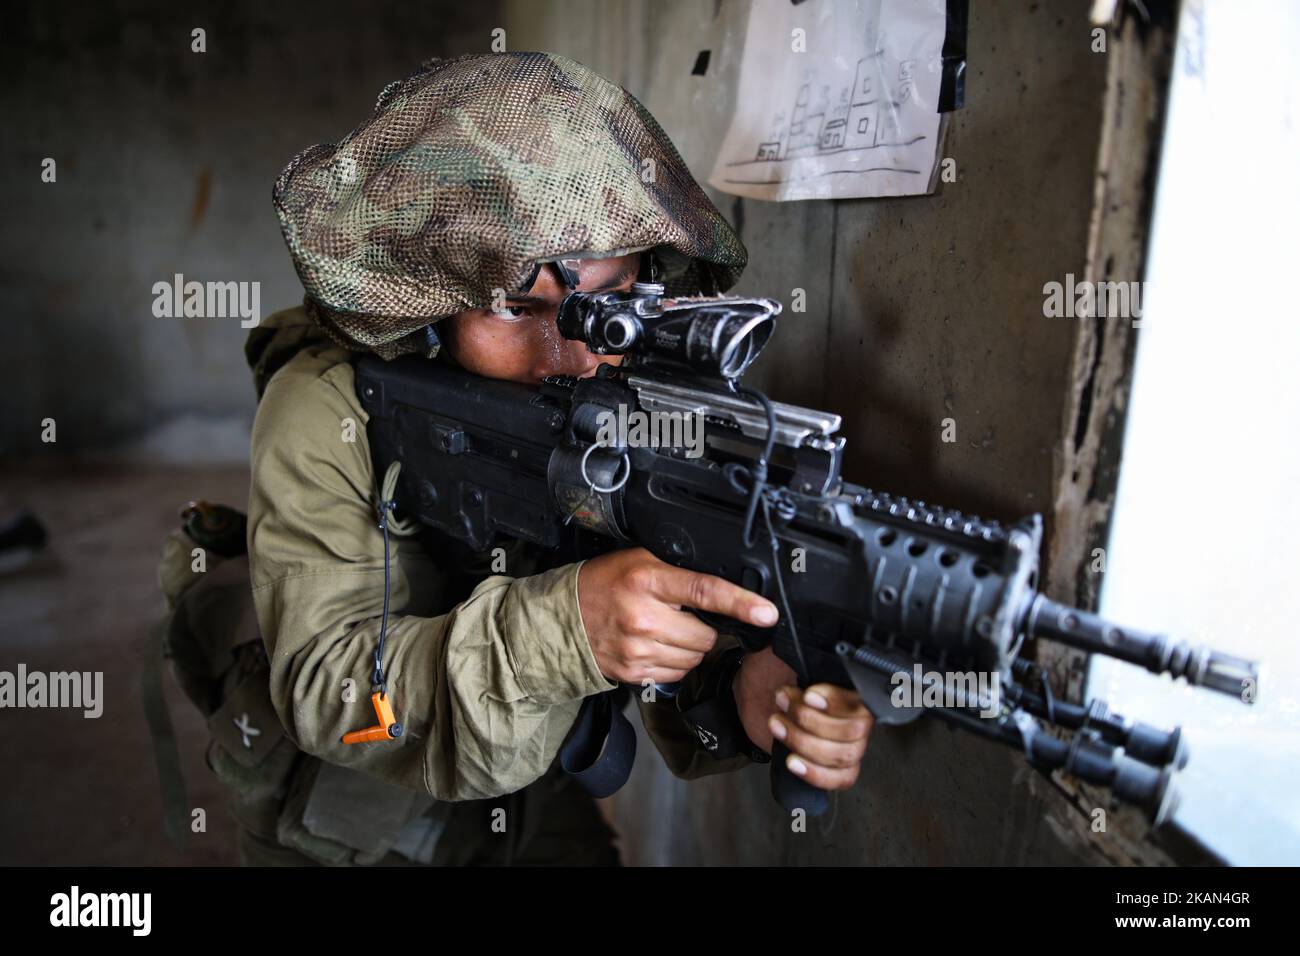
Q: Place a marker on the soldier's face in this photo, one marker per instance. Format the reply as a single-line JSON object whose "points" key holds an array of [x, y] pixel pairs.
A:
{"points": [[522, 343]]}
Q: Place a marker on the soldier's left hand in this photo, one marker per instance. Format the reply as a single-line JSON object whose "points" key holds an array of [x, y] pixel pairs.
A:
{"points": [[825, 726]]}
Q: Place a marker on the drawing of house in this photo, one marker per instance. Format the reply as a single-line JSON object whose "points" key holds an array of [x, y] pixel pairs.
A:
{"points": [[864, 112], [858, 121], [797, 118], [805, 127], [832, 135]]}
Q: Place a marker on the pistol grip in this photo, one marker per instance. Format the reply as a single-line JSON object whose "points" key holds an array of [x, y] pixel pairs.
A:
{"points": [[791, 792]]}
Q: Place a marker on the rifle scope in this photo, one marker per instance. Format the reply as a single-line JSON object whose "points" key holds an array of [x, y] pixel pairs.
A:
{"points": [[715, 337]]}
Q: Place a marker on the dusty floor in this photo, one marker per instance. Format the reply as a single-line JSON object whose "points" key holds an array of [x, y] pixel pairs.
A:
{"points": [[85, 791]]}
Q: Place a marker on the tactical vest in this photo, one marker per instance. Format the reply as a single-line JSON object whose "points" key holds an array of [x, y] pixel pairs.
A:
{"points": [[285, 799]]}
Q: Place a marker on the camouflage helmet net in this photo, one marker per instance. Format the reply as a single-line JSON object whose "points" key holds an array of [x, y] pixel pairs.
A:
{"points": [[469, 173]]}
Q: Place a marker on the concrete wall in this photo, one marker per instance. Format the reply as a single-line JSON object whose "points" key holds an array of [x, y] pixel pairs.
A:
{"points": [[165, 163], [918, 309]]}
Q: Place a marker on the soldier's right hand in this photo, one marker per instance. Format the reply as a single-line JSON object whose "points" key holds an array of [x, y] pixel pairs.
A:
{"points": [[632, 604]]}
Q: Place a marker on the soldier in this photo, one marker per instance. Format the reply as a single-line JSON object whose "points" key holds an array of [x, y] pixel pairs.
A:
{"points": [[451, 224]]}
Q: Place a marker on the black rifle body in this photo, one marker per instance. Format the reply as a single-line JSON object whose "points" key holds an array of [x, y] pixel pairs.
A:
{"points": [[869, 585]]}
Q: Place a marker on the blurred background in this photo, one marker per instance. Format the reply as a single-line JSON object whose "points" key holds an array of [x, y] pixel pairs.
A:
{"points": [[919, 310]]}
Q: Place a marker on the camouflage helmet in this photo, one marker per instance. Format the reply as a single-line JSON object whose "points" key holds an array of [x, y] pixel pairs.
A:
{"points": [[468, 174]]}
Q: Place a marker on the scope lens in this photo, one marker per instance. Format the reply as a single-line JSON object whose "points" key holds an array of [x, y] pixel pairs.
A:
{"points": [[619, 332], [740, 343], [736, 357]]}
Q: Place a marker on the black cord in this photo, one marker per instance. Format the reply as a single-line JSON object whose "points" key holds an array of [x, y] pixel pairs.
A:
{"points": [[785, 602], [385, 508], [761, 495], [757, 475]]}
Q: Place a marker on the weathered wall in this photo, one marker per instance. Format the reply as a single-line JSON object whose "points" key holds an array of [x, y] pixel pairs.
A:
{"points": [[918, 309], [165, 163]]}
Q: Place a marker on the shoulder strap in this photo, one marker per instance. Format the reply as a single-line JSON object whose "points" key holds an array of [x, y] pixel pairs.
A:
{"points": [[166, 753]]}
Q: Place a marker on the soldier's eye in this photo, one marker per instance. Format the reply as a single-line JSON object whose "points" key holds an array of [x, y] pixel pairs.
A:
{"points": [[512, 312]]}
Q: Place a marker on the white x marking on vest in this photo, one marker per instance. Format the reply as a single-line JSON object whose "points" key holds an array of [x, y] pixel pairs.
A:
{"points": [[247, 730]]}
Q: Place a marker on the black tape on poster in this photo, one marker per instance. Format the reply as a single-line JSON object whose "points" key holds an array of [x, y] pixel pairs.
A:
{"points": [[952, 89]]}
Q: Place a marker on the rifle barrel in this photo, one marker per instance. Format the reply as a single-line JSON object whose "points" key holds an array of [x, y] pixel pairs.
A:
{"points": [[1200, 665]]}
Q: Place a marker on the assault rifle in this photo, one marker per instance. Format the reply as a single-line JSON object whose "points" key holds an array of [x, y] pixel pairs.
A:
{"points": [[887, 583]]}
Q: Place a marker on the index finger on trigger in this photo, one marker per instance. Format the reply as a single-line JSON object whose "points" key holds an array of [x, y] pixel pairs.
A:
{"points": [[707, 592]]}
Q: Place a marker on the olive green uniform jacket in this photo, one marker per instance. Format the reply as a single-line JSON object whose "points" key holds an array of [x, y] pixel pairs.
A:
{"points": [[486, 691]]}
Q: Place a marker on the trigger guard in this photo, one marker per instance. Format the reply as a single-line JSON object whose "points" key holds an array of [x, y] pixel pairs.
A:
{"points": [[751, 639]]}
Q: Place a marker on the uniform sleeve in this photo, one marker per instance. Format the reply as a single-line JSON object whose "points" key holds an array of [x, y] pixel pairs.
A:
{"points": [[674, 736], [486, 692]]}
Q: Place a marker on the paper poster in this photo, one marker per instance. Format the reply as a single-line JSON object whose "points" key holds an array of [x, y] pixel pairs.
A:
{"points": [[837, 99]]}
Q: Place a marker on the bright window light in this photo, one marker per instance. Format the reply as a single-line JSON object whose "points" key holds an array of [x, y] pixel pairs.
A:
{"points": [[1205, 544]]}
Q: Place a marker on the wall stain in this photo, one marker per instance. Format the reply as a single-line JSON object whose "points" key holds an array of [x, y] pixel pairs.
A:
{"points": [[926, 832], [202, 194]]}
